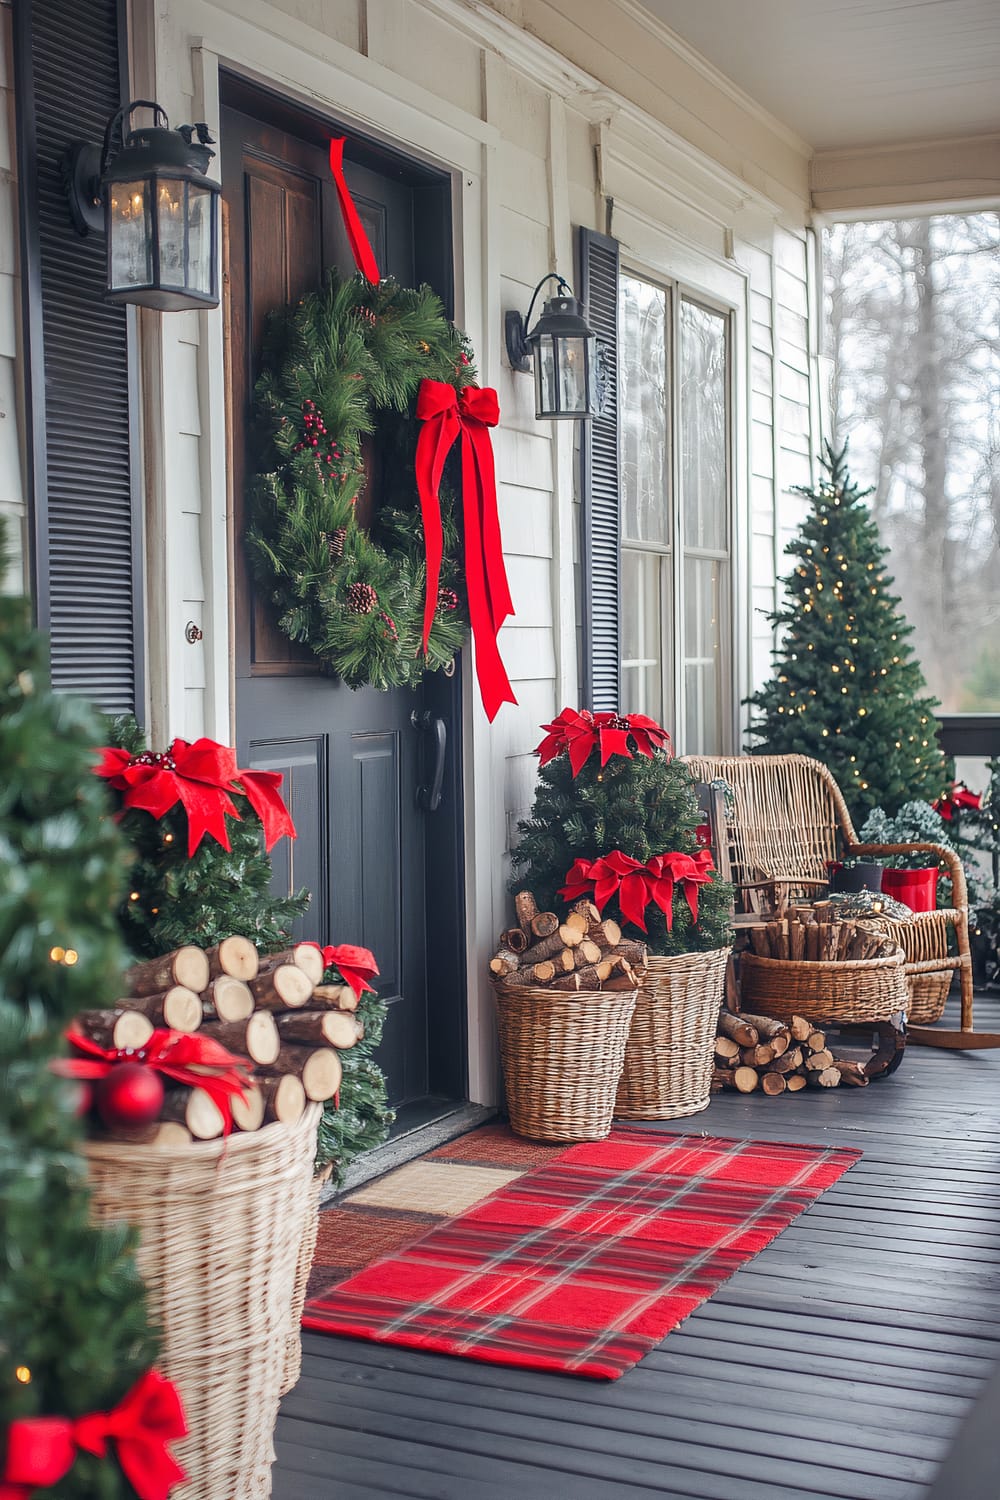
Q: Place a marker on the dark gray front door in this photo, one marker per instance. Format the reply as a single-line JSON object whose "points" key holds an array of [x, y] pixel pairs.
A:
{"points": [[352, 761]]}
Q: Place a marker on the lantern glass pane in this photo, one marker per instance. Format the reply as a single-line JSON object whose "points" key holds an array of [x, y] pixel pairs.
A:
{"points": [[546, 401], [572, 376], [199, 221], [170, 208], [131, 238]]}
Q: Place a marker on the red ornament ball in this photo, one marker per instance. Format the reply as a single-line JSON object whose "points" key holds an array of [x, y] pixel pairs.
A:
{"points": [[131, 1094]]}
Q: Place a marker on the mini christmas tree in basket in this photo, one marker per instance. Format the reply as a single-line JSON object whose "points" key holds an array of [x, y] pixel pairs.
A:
{"points": [[614, 822]]}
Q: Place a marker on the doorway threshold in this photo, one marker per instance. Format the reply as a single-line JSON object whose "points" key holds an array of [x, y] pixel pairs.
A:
{"points": [[416, 1135]]}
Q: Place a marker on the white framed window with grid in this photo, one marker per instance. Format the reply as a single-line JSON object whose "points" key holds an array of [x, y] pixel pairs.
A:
{"points": [[675, 426]]}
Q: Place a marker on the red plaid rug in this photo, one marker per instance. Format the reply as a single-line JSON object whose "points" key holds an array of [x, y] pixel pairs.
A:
{"points": [[587, 1262]]}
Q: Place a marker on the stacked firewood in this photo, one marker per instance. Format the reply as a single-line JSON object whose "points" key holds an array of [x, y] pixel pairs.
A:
{"points": [[814, 934], [274, 1012], [583, 951], [757, 1052]]}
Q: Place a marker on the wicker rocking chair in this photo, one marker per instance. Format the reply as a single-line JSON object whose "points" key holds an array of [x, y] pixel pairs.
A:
{"points": [[787, 820]]}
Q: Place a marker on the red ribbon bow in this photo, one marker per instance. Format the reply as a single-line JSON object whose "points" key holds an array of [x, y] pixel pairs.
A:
{"points": [[364, 255], [198, 1061], [356, 965], [955, 799], [635, 885], [201, 776], [42, 1450], [578, 731], [447, 414]]}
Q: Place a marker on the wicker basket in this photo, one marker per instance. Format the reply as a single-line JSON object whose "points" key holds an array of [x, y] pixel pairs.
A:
{"points": [[562, 1057], [221, 1224], [870, 989], [928, 968], [670, 1052], [307, 1252]]}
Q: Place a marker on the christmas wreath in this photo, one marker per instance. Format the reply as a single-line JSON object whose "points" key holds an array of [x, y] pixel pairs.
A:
{"points": [[344, 363]]}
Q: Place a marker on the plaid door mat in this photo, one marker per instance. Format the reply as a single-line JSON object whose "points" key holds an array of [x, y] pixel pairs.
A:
{"points": [[587, 1261]]}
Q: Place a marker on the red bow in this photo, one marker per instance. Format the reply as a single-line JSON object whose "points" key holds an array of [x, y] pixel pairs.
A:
{"points": [[955, 799], [201, 777], [356, 965], [635, 885], [198, 1061], [42, 1450], [579, 731], [364, 255], [447, 414]]}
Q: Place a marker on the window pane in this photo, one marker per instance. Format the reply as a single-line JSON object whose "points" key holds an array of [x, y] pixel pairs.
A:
{"points": [[642, 363], [706, 671], [645, 617], [704, 412]]}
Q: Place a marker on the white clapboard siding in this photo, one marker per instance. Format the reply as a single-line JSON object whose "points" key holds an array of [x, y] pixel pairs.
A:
{"points": [[12, 498]]}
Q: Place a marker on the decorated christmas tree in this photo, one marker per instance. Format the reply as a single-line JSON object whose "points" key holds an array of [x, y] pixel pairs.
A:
{"points": [[973, 821], [846, 688], [614, 820], [74, 1337]]}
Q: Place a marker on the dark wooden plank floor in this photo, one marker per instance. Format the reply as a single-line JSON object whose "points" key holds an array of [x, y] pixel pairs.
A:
{"points": [[838, 1363]]}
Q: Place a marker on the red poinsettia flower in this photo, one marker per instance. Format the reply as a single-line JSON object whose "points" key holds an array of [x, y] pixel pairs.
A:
{"points": [[619, 876], [201, 776], [577, 731], [957, 797]]}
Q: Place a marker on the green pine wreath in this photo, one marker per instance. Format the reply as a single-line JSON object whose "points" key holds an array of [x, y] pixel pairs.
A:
{"points": [[345, 362]]}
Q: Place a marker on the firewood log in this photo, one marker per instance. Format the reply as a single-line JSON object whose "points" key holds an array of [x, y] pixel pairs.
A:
{"points": [[170, 1133], [736, 1027], [604, 969], [816, 1041], [248, 1109], [321, 1028], [823, 1078], [767, 1027], [745, 1079], [759, 1056], [187, 966], [796, 1081], [319, 1069], [578, 920], [759, 942], [227, 999], [788, 1062], [333, 997], [724, 1077], [588, 909], [284, 1098], [780, 1043], [514, 939], [773, 1084], [305, 956], [812, 943], [569, 982], [589, 978], [256, 1037], [817, 1061], [285, 986], [524, 909], [546, 948], [504, 962], [196, 1111], [632, 950], [851, 1072], [544, 924], [796, 940], [800, 1028], [619, 982], [178, 1008], [116, 1028], [586, 954], [726, 1047], [235, 956]]}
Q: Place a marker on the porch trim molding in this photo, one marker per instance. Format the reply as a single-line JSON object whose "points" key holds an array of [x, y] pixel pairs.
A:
{"points": [[959, 175]]}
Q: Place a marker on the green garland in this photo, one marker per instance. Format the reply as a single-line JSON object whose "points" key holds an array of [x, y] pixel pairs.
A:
{"points": [[346, 362]]}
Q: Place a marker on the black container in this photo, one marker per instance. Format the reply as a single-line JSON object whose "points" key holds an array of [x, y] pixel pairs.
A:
{"points": [[860, 876]]}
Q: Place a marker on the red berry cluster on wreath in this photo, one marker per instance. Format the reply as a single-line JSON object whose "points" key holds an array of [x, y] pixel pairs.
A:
{"points": [[314, 441], [361, 598], [447, 600], [389, 631]]}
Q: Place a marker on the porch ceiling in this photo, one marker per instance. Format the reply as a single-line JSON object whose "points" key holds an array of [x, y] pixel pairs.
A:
{"points": [[898, 99]]}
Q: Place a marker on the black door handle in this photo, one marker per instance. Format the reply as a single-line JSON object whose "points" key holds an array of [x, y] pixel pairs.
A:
{"points": [[429, 797]]}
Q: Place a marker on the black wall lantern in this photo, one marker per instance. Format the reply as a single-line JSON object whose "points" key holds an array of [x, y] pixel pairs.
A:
{"points": [[563, 350], [147, 190]]}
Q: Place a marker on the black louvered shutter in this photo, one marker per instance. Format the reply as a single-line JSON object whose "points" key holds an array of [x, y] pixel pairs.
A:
{"points": [[600, 481], [81, 410]]}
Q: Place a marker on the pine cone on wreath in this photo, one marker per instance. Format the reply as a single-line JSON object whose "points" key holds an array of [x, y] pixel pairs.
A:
{"points": [[361, 598], [335, 542]]}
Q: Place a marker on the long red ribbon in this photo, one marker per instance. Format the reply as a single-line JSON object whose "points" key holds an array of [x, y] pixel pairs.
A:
{"points": [[447, 414], [198, 1061], [635, 885], [42, 1450], [364, 255]]}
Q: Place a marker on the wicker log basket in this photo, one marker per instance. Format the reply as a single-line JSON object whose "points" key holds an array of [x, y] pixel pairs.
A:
{"points": [[670, 1054], [871, 989], [221, 1227], [562, 1056], [307, 1253]]}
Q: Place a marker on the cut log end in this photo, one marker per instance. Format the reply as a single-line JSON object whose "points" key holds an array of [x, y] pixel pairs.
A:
{"points": [[235, 956]]}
